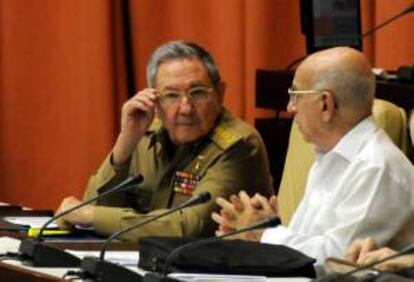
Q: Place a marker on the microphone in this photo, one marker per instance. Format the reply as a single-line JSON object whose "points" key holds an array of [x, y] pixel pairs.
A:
{"points": [[402, 13], [343, 277], [34, 253], [94, 267]]}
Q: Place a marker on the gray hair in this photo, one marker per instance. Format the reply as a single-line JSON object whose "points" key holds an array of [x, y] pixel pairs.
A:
{"points": [[351, 89], [181, 50]]}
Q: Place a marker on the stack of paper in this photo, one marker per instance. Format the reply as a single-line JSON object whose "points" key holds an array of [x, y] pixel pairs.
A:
{"points": [[199, 277], [31, 221]]}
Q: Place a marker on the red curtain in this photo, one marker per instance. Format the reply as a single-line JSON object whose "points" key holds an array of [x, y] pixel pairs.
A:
{"points": [[63, 73], [60, 90]]}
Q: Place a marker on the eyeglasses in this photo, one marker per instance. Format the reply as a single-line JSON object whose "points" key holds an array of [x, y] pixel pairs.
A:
{"points": [[199, 94], [294, 94]]}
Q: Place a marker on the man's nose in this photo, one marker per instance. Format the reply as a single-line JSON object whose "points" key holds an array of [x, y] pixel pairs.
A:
{"points": [[291, 107], [185, 106]]}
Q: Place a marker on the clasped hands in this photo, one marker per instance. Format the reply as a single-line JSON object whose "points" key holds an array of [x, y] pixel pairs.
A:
{"points": [[241, 211], [365, 251]]}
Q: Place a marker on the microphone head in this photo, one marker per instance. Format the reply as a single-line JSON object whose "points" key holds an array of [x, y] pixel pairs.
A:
{"points": [[273, 221], [135, 179], [410, 9], [204, 197], [201, 198]]}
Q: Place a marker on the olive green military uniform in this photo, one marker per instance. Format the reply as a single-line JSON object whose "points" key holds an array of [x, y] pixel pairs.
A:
{"points": [[231, 158]]}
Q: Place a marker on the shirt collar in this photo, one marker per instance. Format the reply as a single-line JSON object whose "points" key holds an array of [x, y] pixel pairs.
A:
{"points": [[349, 145]]}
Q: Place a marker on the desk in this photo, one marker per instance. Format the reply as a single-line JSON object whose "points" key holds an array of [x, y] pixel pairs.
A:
{"points": [[16, 273], [62, 243]]}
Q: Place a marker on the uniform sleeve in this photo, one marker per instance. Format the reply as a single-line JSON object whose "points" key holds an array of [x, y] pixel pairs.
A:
{"points": [[243, 166], [107, 177], [375, 205]]}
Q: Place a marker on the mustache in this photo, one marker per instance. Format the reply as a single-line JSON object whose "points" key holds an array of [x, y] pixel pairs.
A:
{"points": [[181, 119]]}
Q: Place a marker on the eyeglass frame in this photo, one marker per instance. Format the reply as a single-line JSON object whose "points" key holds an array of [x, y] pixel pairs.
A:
{"points": [[186, 94], [294, 94]]}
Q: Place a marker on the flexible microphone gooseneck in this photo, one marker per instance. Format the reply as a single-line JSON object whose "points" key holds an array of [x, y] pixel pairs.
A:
{"points": [[342, 277], [33, 252], [402, 13], [362, 36], [407, 250], [101, 270]]}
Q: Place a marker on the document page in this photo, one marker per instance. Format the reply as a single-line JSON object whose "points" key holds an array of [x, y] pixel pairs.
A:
{"points": [[31, 221], [9, 244], [199, 277]]}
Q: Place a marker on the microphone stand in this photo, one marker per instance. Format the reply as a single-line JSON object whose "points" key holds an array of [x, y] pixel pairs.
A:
{"points": [[271, 221], [33, 252], [105, 271]]}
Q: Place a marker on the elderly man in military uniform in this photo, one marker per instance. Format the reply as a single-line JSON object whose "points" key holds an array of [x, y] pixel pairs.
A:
{"points": [[178, 135]]}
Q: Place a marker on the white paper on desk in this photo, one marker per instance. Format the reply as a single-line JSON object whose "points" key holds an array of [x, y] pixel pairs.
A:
{"points": [[9, 244], [124, 258], [32, 221], [199, 277]]}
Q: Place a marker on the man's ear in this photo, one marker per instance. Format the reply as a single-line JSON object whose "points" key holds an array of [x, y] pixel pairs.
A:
{"points": [[220, 89], [328, 106]]}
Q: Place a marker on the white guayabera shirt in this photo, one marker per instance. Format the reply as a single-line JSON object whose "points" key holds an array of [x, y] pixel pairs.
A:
{"points": [[363, 187]]}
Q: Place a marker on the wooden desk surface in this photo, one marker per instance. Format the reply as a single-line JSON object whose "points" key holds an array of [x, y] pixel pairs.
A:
{"points": [[15, 273]]}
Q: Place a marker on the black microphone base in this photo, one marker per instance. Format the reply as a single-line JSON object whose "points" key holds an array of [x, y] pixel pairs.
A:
{"points": [[105, 271], [35, 253], [157, 277]]}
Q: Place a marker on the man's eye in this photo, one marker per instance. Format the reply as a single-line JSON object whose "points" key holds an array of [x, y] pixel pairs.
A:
{"points": [[171, 95], [198, 93]]}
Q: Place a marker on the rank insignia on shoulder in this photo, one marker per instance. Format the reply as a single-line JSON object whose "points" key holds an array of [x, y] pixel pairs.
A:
{"points": [[225, 137], [185, 182]]}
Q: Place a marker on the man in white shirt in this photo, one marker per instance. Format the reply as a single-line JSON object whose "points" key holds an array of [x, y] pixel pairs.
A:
{"points": [[360, 185]]}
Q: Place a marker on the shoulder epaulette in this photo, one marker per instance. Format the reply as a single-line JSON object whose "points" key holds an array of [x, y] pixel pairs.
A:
{"points": [[224, 136]]}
